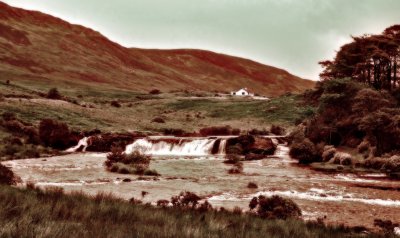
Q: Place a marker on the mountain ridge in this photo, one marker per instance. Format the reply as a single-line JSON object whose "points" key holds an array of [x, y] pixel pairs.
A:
{"points": [[36, 46]]}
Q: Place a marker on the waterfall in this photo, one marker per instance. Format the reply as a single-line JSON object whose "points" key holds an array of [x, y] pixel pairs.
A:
{"points": [[177, 146], [83, 143], [222, 147]]}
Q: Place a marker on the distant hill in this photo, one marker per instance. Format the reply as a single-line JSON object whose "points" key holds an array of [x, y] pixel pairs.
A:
{"points": [[37, 46]]}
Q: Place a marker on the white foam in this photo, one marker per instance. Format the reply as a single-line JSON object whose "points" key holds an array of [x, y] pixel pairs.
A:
{"points": [[82, 143], [313, 195], [397, 231], [196, 147]]}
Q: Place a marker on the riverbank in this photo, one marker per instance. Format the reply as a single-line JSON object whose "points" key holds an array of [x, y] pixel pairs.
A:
{"points": [[332, 198], [51, 213]]}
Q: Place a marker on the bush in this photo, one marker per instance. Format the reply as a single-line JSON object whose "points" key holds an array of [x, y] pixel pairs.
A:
{"points": [[328, 154], [256, 132], [234, 149], [342, 158], [53, 93], [14, 126], [116, 155], [158, 120], [185, 200], [304, 151], [7, 176], [205, 207], [277, 130], [232, 159], [151, 172], [236, 169], [8, 116], [252, 185], [54, 134], [115, 104], [363, 146], [218, 131], [155, 91], [162, 203], [137, 163], [275, 207]]}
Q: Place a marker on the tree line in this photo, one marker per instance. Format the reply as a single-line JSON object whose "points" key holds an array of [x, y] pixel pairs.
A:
{"points": [[368, 59]]}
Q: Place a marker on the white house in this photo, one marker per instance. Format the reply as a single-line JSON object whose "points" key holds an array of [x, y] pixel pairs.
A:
{"points": [[242, 92]]}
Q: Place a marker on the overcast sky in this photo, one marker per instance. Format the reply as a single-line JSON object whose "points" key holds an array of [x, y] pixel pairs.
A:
{"points": [[290, 34]]}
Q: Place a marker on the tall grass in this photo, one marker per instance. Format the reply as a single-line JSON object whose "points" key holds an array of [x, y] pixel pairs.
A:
{"points": [[50, 213]]}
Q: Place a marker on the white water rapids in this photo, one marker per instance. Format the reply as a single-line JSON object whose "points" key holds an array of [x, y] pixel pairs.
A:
{"points": [[183, 147]]}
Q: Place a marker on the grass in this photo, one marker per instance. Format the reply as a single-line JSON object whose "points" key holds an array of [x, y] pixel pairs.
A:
{"points": [[137, 111], [36, 213], [284, 110]]}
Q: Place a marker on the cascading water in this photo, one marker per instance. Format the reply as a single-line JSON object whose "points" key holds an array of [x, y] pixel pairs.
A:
{"points": [[178, 146], [222, 147], [83, 143]]}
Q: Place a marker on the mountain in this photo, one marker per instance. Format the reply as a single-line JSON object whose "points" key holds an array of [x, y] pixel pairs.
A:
{"points": [[37, 46]]}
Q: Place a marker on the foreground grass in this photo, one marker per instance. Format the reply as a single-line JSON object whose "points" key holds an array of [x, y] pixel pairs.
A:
{"points": [[34, 213]]}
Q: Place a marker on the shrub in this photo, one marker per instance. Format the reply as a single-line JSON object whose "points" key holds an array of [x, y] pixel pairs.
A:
{"points": [[205, 207], [363, 146], [236, 169], [252, 185], [7, 176], [275, 207], [328, 154], [162, 203], [151, 172], [174, 132], [33, 135], [277, 130], [53, 93], [237, 210], [392, 164], [158, 120], [342, 158], [256, 132], [115, 104], [54, 134], [236, 149], [218, 131], [304, 151], [387, 226], [185, 200], [232, 159], [13, 126], [8, 116], [116, 155], [136, 162], [155, 91]]}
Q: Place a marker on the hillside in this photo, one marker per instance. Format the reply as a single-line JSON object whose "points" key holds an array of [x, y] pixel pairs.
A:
{"points": [[38, 47]]}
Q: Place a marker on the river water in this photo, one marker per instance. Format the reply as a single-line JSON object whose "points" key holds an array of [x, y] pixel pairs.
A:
{"points": [[340, 198]]}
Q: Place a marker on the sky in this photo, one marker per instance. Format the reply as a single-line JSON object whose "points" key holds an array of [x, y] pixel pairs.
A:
{"points": [[290, 34]]}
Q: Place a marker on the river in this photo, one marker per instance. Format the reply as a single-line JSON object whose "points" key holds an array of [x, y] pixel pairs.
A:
{"points": [[338, 198]]}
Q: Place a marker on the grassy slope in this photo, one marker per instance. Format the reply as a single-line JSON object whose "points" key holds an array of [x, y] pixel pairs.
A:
{"points": [[180, 111], [31, 213], [46, 50]]}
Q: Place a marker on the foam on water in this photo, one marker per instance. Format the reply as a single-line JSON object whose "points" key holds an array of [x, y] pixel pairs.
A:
{"points": [[313, 195], [82, 143]]}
